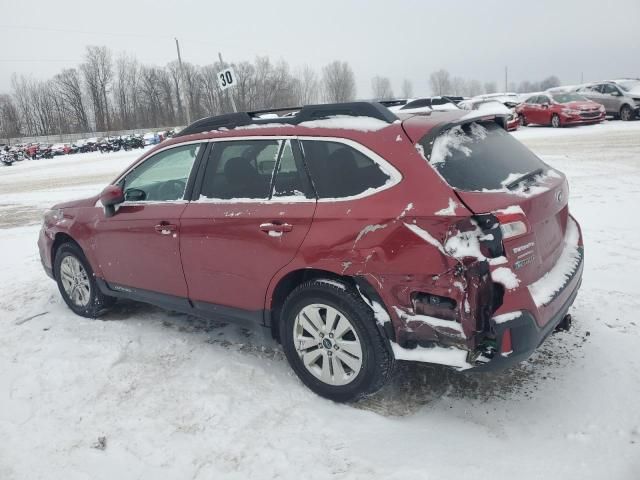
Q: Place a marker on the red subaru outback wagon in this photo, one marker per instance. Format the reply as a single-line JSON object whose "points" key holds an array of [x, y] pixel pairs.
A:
{"points": [[358, 238]]}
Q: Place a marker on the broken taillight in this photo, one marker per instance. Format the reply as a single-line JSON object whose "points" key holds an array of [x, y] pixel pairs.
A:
{"points": [[512, 225], [505, 346]]}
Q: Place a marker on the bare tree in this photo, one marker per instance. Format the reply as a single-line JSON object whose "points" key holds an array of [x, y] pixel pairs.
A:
{"points": [[98, 72], [474, 87], [407, 88], [549, 82], [338, 82], [458, 86], [306, 86], [10, 124], [69, 88], [381, 88], [490, 87], [440, 82]]}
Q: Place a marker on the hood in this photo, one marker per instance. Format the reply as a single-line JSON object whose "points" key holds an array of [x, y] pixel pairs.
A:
{"points": [[83, 202]]}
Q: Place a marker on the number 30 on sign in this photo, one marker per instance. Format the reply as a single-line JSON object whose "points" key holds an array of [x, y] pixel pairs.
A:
{"points": [[226, 78]]}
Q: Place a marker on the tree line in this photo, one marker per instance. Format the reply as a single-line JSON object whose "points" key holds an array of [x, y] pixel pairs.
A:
{"points": [[107, 93]]}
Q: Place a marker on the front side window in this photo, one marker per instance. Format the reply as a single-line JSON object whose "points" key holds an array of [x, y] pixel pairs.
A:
{"points": [[609, 89], [338, 170], [162, 177], [532, 100]]}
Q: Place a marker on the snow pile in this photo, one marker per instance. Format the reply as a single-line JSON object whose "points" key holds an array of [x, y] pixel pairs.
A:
{"points": [[450, 210], [451, 356], [555, 279], [455, 139], [506, 277], [346, 122], [507, 317], [436, 323]]}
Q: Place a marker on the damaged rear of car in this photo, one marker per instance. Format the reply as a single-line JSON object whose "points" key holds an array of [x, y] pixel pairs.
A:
{"points": [[511, 254]]}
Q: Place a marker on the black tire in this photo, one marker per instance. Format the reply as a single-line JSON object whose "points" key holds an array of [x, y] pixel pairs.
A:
{"points": [[626, 113], [377, 358], [523, 120], [97, 303], [555, 121]]}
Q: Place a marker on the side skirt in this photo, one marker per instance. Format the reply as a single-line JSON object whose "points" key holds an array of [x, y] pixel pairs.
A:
{"points": [[181, 304]]}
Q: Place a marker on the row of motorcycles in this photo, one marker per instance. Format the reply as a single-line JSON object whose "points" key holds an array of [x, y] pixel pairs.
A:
{"points": [[34, 151]]}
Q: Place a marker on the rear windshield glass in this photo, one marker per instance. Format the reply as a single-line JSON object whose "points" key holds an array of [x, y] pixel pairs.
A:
{"points": [[479, 156]]}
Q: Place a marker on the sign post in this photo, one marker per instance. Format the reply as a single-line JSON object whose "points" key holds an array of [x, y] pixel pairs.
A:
{"points": [[227, 79]]}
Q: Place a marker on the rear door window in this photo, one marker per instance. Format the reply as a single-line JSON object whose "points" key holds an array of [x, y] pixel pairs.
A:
{"points": [[478, 156], [338, 170], [240, 169]]}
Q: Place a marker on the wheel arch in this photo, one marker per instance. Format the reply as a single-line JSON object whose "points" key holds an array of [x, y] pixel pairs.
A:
{"points": [[60, 239], [287, 283]]}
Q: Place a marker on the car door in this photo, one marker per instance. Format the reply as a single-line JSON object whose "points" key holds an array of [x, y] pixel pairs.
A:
{"points": [[544, 110], [612, 98], [595, 93], [255, 205], [138, 248]]}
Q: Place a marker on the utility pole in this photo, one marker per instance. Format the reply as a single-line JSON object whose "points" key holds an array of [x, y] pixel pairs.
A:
{"points": [[229, 96], [506, 84], [186, 100], [581, 77]]}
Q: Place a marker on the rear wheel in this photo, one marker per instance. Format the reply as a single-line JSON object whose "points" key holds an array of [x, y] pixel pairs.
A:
{"points": [[626, 113], [77, 283], [331, 340], [555, 121]]}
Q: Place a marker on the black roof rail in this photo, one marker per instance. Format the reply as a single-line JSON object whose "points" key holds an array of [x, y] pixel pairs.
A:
{"points": [[304, 114]]}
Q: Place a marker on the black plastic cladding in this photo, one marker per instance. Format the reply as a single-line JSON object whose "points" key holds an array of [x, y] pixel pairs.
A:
{"points": [[306, 113]]}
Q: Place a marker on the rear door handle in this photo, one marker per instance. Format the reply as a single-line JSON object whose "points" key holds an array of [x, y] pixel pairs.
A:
{"points": [[276, 227], [165, 228]]}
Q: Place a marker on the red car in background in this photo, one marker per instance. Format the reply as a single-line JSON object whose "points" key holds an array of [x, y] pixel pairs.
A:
{"points": [[560, 109]]}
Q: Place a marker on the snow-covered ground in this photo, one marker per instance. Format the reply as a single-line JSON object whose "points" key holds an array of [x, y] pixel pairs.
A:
{"points": [[177, 398]]}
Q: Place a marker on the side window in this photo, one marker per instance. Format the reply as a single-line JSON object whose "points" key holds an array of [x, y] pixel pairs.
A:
{"points": [[291, 178], [240, 169], [162, 177], [543, 100], [609, 89], [338, 170], [532, 100]]}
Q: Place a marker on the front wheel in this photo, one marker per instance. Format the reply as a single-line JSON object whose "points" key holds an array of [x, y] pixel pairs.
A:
{"points": [[626, 113], [331, 340], [77, 283], [555, 121]]}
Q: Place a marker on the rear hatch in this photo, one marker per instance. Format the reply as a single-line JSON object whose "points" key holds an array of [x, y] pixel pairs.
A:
{"points": [[492, 172]]}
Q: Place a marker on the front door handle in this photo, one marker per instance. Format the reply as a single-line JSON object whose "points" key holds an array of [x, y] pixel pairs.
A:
{"points": [[276, 227], [165, 228]]}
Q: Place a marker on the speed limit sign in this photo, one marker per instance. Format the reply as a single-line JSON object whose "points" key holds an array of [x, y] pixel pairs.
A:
{"points": [[226, 78]]}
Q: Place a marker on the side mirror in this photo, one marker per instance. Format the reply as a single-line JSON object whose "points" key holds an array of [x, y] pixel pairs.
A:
{"points": [[545, 105], [111, 196]]}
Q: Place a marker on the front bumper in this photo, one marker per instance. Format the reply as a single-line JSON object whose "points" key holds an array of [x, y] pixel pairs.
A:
{"points": [[45, 243], [579, 119]]}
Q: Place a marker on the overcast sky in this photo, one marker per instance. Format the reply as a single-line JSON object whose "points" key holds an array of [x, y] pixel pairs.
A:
{"points": [[395, 38]]}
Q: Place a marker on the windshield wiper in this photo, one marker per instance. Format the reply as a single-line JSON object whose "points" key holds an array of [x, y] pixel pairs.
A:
{"points": [[524, 178]]}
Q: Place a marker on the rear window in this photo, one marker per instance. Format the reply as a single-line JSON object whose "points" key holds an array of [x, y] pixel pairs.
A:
{"points": [[478, 156]]}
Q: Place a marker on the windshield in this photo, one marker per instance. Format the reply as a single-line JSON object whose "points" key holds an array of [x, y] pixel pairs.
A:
{"points": [[627, 85], [568, 97], [478, 156]]}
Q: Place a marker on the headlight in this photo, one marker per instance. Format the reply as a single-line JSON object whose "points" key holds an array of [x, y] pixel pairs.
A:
{"points": [[601, 108], [53, 216], [569, 111]]}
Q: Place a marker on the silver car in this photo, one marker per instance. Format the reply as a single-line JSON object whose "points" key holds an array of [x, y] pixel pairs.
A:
{"points": [[621, 98]]}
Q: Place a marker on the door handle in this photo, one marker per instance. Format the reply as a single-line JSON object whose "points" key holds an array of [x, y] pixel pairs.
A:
{"points": [[276, 227], [165, 228]]}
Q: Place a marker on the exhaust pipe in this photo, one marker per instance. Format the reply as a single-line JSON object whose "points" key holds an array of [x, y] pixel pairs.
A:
{"points": [[565, 324]]}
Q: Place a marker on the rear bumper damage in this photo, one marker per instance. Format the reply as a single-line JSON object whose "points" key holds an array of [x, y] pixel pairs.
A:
{"points": [[524, 320]]}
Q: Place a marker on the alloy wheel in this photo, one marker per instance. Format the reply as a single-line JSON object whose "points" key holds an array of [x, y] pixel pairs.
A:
{"points": [[327, 344], [75, 281]]}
